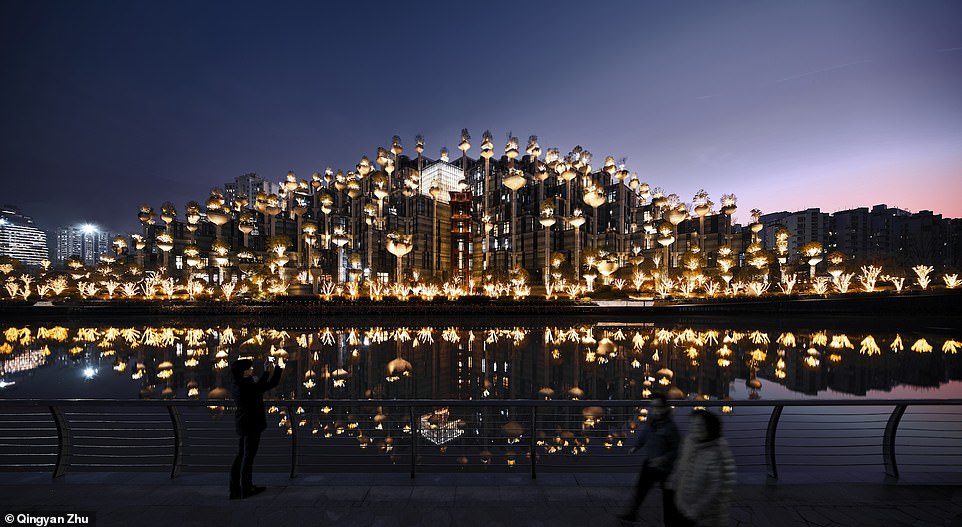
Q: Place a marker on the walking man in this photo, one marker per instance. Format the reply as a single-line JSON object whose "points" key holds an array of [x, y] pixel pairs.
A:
{"points": [[658, 443], [250, 419]]}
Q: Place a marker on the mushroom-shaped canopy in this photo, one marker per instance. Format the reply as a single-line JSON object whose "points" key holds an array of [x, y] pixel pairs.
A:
{"points": [[218, 393], [512, 429], [593, 412], [515, 180]]}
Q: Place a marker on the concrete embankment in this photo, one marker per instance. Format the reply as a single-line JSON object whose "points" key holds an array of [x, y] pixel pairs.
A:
{"points": [[942, 309]]}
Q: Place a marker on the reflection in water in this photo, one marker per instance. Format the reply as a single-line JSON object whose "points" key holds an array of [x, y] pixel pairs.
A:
{"points": [[603, 361]]}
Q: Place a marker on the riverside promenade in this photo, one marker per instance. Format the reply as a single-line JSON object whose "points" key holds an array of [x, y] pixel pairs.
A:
{"points": [[441, 500]]}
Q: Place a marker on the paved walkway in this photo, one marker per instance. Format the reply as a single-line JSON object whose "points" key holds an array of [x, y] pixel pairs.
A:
{"points": [[557, 500]]}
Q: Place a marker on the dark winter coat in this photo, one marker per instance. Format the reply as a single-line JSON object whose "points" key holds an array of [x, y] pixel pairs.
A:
{"points": [[658, 442], [250, 416]]}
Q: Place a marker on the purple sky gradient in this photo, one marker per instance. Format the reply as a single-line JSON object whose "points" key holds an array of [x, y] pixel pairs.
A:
{"points": [[789, 105]]}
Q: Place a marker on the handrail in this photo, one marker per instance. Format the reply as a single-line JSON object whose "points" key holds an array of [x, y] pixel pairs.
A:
{"points": [[580, 403], [65, 438], [770, 440], [290, 413], [177, 423], [888, 440]]}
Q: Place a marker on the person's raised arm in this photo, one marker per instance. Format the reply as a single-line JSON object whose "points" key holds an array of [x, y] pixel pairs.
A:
{"points": [[267, 383]]}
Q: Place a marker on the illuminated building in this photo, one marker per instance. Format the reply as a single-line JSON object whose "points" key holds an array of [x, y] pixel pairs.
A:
{"points": [[461, 233], [20, 238], [85, 241], [444, 175]]}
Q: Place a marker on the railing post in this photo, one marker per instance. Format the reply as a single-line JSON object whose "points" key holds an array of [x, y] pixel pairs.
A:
{"points": [[291, 416], [770, 441], [177, 424], [63, 441], [414, 441], [532, 448], [888, 440]]}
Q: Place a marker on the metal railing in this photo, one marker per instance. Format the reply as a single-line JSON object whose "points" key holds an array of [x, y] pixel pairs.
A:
{"points": [[445, 435]]}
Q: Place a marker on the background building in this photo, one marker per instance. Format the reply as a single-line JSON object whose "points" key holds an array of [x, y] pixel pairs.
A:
{"points": [[881, 234], [85, 241], [20, 238], [805, 226], [248, 186]]}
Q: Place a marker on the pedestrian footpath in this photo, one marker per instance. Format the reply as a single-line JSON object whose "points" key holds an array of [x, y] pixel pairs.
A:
{"points": [[440, 500]]}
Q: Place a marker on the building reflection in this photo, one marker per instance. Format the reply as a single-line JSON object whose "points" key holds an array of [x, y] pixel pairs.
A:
{"points": [[602, 361]]}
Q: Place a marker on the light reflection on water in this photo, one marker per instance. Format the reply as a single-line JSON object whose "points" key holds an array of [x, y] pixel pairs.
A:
{"points": [[601, 361]]}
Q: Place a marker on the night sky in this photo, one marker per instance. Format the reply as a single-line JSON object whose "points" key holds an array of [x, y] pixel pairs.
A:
{"points": [[789, 105]]}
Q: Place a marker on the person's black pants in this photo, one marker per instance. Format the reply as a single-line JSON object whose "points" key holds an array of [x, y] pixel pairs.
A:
{"points": [[646, 478], [241, 472]]}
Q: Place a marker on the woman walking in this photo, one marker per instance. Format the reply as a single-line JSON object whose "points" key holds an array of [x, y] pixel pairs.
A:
{"points": [[658, 441], [704, 474]]}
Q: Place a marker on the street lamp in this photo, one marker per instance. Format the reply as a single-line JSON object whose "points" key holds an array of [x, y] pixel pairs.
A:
{"points": [[245, 224], [119, 245], [487, 152], [566, 172], [666, 237], [419, 148], [221, 250], [168, 213], [547, 219], [676, 215], [435, 261], [192, 215], [139, 243], [756, 225], [399, 244], [327, 206], [355, 191], [702, 207], [165, 242], [288, 186], [273, 209], [594, 198], [812, 251], [215, 210], [146, 216], [191, 256], [514, 181], [339, 239], [309, 229], [537, 167], [576, 220], [729, 204], [370, 211]]}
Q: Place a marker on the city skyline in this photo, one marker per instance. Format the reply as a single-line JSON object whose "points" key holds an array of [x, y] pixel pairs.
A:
{"points": [[826, 105]]}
